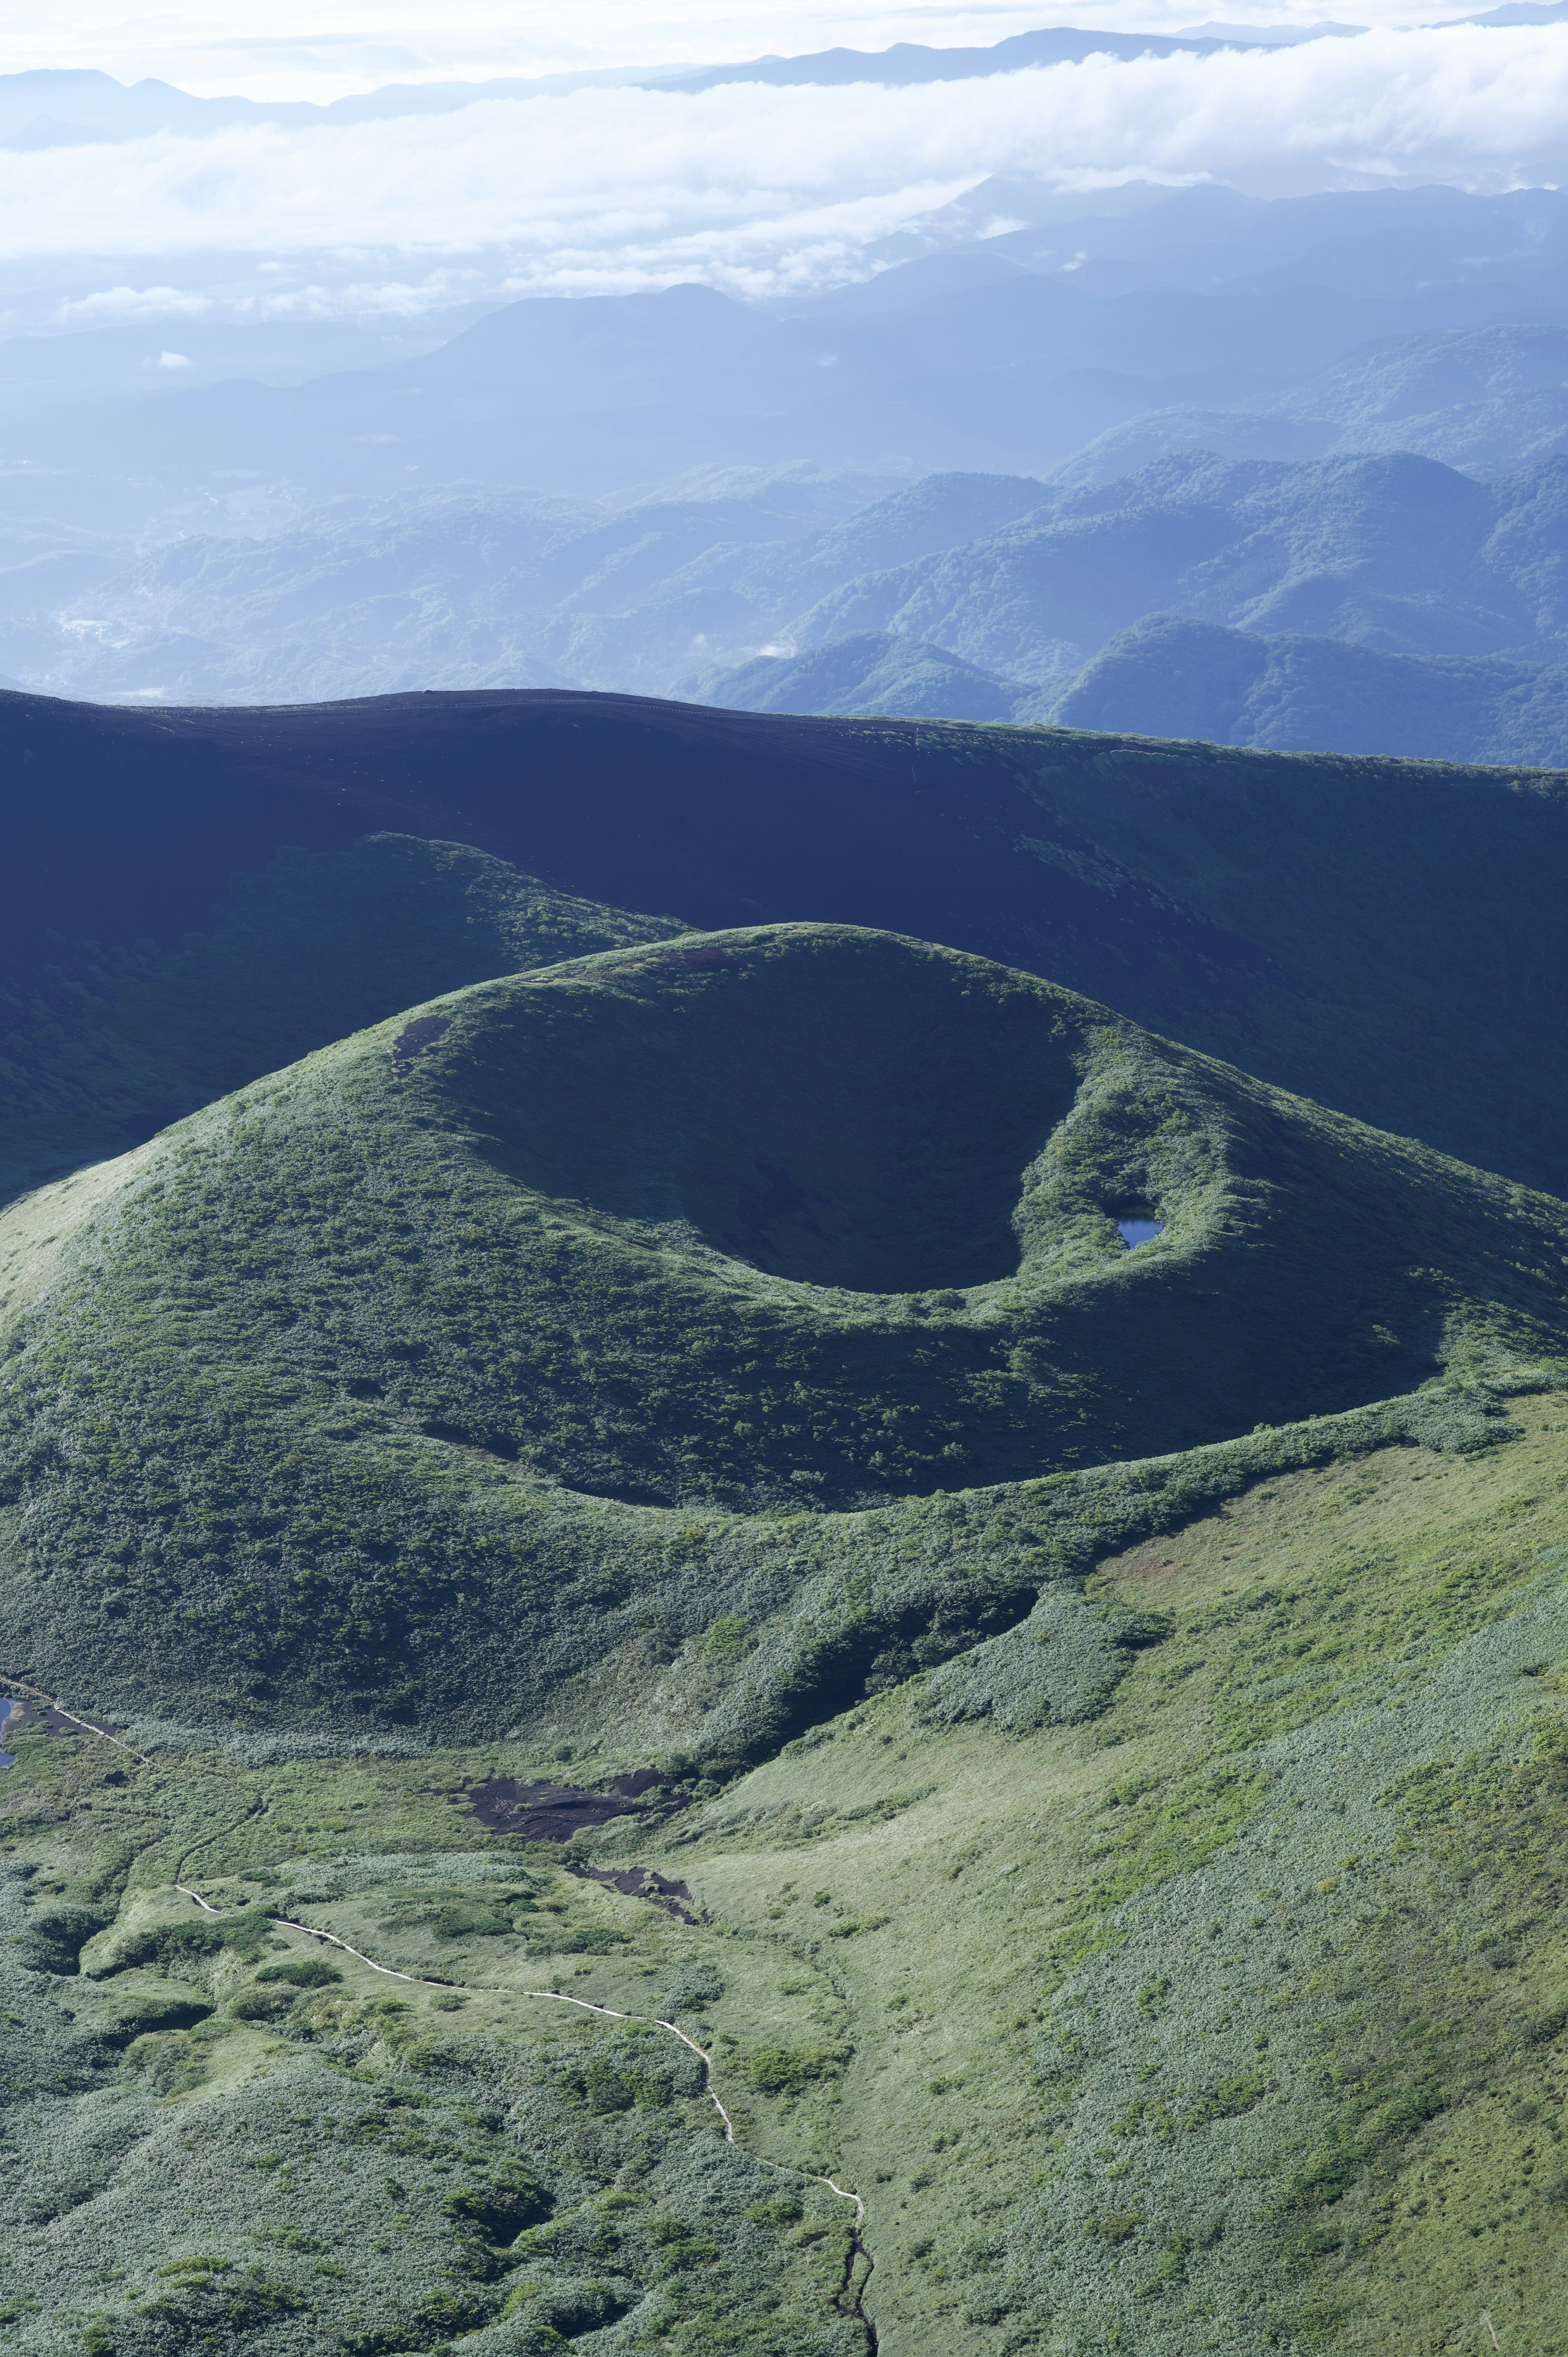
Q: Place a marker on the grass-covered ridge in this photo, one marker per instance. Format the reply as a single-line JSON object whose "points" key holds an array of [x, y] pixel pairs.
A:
{"points": [[1228, 2019], [314, 946], [605, 1337]]}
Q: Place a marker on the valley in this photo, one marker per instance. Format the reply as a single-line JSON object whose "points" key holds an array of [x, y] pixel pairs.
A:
{"points": [[1135, 2021]]}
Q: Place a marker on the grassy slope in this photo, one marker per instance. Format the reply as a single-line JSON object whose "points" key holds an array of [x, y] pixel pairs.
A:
{"points": [[429, 1378], [1223, 2018], [316, 946], [1379, 936]]}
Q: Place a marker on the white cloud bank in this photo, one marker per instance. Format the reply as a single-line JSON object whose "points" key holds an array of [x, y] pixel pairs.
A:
{"points": [[331, 48], [751, 186]]}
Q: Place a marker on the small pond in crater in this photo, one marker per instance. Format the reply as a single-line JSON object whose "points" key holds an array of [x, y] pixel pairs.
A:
{"points": [[1134, 1232]]}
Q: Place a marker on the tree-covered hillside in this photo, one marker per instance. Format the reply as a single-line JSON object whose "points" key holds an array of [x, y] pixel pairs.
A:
{"points": [[1170, 677], [1393, 552]]}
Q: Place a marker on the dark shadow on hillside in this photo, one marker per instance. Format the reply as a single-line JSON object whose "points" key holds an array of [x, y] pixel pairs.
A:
{"points": [[838, 1108]]}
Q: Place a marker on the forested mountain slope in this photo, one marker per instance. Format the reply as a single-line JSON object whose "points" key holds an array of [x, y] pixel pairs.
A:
{"points": [[1396, 552]]}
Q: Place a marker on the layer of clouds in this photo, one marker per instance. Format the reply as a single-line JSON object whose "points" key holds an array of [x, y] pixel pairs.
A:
{"points": [[336, 47], [120, 307], [755, 189]]}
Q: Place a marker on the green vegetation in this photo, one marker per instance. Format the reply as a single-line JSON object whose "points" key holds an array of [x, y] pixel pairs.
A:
{"points": [[116, 1044], [505, 1358], [1104, 1802], [1227, 2017]]}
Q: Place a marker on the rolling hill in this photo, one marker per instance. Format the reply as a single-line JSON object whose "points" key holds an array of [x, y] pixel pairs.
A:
{"points": [[1382, 937], [737, 1222], [1169, 677], [809, 1624]]}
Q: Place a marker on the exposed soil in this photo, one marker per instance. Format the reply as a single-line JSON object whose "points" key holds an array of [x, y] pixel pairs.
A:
{"points": [[52, 1721], [642, 1882], [416, 1039], [552, 1813]]}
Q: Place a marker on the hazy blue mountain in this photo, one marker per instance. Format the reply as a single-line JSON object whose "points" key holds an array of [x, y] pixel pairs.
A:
{"points": [[1396, 552], [1171, 677], [736, 568], [917, 520], [911, 62], [1487, 399], [1168, 676], [65, 107], [869, 673], [444, 589], [1356, 242], [1183, 431], [1000, 353], [1003, 334]]}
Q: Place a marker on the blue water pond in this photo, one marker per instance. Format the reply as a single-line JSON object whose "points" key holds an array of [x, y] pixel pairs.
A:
{"points": [[1140, 1232]]}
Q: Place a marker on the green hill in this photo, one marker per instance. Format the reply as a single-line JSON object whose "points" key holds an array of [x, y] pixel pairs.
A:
{"points": [[377, 1383], [777, 1638], [315, 945], [1178, 1968]]}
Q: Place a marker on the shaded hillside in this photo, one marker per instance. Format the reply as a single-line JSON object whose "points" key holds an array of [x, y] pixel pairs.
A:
{"points": [[1170, 677], [370, 1379], [1395, 553], [318, 944], [1383, 936]]}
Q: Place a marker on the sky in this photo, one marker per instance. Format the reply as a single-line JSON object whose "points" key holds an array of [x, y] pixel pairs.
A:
{"points": [[328, 48], [757, 189]]}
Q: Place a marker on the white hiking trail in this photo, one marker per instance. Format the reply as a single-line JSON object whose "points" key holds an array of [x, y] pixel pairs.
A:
{"points": [[554, 1997], [551, 1997]]}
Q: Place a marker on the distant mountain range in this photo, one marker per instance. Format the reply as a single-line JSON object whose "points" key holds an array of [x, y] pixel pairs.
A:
{"points": [[1375, 606], [1425, 321], [1169, 677], [1337, 419], [69, 107], [1354, 604]]}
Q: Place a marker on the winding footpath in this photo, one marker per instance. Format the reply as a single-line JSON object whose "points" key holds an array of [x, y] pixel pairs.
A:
{"points": [[550, 1997], [554, 1996]]}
